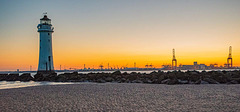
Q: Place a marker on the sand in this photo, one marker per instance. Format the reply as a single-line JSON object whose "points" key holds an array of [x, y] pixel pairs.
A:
{"points": [[121, 97]]}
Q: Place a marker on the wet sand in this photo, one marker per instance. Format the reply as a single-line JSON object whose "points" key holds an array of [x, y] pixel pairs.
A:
{"points": [[121, 97]]}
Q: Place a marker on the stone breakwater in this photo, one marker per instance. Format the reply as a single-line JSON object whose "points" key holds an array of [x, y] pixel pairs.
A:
{"points": [[160, 77]]}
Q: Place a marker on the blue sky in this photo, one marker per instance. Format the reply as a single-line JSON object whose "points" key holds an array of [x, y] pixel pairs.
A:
{"points": [[136, 30]]}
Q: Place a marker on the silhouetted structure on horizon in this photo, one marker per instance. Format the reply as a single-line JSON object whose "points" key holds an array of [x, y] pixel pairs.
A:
{"points": [[229, 59], [174, 61]]}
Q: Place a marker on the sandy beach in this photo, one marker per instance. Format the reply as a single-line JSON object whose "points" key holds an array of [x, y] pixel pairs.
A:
{"points": [[121, 97]]}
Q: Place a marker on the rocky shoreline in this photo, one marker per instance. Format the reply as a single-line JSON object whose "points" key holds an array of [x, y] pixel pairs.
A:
{"points": [[159, 77]]}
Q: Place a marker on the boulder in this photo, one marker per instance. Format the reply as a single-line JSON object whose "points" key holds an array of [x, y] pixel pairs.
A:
{"points": [[156, 81], [100, 81], [182, 76], [61, 78], [3, 77], [153, 73], [72, 76], [194, 77], [123, 79], [201, 82], [232, 82], [38, 77], [45, 77], [211, 81], [116, 73], [165, 81], [132, 77], [26, 77], [109, 79], [51, 77], [12, 77], [137, 81], [146, 81], [183, 81], [194, 73], [172, 82]]}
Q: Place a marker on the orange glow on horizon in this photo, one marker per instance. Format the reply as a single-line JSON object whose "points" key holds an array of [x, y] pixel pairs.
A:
{"points": [[103, 32]]}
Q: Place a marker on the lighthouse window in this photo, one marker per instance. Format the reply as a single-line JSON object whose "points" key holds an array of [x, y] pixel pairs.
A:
{"points": [[48, 33]]}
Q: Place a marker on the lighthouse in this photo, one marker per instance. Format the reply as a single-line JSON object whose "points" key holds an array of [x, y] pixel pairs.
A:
{"points": [[45, 29]]}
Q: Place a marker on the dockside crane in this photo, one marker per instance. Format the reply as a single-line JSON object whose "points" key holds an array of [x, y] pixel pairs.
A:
{"points": [[174, 61], [229, 59]]}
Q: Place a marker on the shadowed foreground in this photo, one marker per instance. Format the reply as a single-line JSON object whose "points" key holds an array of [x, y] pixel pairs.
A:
{"points": [[121, 97]]}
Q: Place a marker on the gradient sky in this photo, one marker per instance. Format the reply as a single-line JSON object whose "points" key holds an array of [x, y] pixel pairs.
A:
{"points": [[120, 32]]}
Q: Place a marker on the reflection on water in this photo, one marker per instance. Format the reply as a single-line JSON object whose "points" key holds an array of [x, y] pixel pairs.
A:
{"points": [[18, 84]]}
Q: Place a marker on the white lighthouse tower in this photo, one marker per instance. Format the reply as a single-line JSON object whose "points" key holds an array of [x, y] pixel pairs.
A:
{"points": [[45, 29]]}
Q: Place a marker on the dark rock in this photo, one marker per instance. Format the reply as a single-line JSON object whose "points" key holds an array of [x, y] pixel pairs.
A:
{"points": [[51, 77], [116, 73], [200, 81], [39, 77], [235, 75], [165, 81], [45, 77], [171, 75], [101, 81], [232, 82], [153, 73], [13, 77], [194, 77], [160, 77], [172, 82], [211, 81], [183, 81], [109, 79], [146, 80], [137, 81], [72, 76], [124, 73], [123, 80], [182, 76], [26, 77], [235, 81], [3, 77], [221, 78], [132, 77], [194, 73], [61, 78]]}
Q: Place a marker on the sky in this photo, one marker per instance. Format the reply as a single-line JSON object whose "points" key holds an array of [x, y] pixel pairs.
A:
{"points": [[120, 32]]}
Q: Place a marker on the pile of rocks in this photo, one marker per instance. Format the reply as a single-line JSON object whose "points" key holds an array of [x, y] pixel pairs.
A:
{"points": [[16, 77], [160, 77]]}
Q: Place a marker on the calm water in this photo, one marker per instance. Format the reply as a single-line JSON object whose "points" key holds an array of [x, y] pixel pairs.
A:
{"points": [[18, 84]]}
